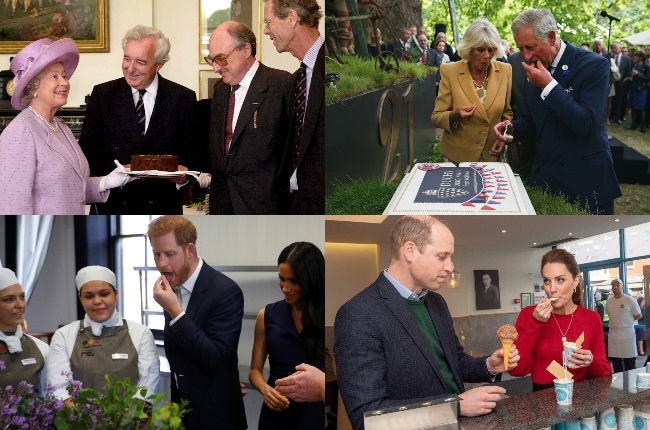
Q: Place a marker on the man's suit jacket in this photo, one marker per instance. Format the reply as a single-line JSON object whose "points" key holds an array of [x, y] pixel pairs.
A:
{"points": [[110, 131], [310, 197], [382, 358], [488, 299], [201, 347], [522, 152], [573, 155], [625, 69], [247, 180], [430, 57], [474, 137], [39, 175]]}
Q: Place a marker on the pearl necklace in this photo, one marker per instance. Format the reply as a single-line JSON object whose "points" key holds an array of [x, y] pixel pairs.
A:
{"points": [[567, 329], [484, 80], [54, 127]]}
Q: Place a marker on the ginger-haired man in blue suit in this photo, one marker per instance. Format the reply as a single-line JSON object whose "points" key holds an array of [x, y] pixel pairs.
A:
{"points": [[203, 316], [566, 96], [395, 343]]}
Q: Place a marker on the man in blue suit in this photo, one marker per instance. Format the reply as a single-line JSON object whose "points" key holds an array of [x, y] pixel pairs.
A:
{"points": [[203, 316], [395, 343], [565, 113]]}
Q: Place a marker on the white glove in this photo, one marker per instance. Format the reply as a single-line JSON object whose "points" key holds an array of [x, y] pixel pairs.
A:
{"points": [[204, 180], [113, 180]]}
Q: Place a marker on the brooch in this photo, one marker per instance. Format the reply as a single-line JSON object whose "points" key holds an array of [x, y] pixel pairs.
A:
{"points": [[565, 70]]}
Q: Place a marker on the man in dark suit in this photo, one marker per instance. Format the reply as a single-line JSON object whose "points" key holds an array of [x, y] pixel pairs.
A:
{"points": [[111, 128], [203, 316], [395, 343], [622, 86], [521, 152], [292, 25], [565, 112], [428, 56], [247, 144]]}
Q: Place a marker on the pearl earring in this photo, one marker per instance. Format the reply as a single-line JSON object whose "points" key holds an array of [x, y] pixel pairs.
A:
{"points": [[35, 95]]}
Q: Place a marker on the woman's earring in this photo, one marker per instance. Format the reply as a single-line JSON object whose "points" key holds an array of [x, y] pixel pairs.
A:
{"points": [[35, 95], [574, 290]]}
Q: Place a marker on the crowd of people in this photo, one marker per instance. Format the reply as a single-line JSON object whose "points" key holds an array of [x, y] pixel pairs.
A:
{"points": [[203, 312], [495, 104], [264, 153]]}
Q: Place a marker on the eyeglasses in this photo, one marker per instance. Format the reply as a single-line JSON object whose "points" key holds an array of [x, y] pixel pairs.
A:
{"points": [[268, 22], [221, 60]]}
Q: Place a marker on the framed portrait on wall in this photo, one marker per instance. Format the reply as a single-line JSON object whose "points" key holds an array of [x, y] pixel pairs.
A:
{"points": [[486, 284], [212, 13], [84, 21], [207, 80]]}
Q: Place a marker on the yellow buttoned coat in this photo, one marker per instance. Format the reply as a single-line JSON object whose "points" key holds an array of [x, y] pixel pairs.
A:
{"points": [[474, 137]]}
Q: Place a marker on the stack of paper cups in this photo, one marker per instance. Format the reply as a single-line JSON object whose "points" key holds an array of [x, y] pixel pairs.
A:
{"points": [[625, 417], [607, 420], [588, 423], [641, 415]]}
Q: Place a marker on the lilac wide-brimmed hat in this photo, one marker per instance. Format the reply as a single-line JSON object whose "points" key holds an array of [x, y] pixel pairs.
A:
{"points": [[37, 56]]}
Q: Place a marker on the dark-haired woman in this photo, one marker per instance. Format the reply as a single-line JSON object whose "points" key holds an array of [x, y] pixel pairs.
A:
{"points": [[291, 332], [558, 318]]}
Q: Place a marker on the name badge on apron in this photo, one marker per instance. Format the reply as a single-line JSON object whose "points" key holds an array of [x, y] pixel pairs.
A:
{"points": [[28, 361], [120, 356]]}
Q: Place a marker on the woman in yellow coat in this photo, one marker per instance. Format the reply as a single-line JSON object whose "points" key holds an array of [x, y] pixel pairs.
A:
{"points": [[474, 95]]}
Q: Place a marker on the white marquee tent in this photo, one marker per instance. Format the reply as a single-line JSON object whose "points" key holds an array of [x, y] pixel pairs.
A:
{"points": [[642, 38]]}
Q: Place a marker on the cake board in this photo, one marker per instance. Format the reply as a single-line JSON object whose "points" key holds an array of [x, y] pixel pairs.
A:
{"points": [[481, 188]]}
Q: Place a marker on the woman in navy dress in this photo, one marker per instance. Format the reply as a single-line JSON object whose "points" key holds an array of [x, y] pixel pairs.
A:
{"points": [[291, 332]]}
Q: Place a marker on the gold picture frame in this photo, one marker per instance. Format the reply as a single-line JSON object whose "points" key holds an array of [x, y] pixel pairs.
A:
{"points": [[207, 80], [85, 21], [240, 11]]}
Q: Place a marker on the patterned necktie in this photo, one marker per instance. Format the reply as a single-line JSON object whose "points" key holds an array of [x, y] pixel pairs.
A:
{"points": [[229, 115], [139, 111], [299, 100], [179, 296]]}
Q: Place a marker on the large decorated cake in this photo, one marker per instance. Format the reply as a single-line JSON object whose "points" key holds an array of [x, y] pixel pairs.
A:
{"points": [[165, 163], [469, 189]]}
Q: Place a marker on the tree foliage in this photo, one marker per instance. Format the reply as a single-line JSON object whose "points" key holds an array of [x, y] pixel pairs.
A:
{"points": [[579, 21]]}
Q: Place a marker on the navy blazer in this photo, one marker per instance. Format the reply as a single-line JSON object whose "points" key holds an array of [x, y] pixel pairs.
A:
{"points": [[382, 358], [247, 180], [573, 155], [110, 131], [310, 197], [201, 348]]}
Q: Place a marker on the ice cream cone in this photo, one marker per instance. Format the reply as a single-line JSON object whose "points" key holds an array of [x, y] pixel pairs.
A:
{"points": [[506, 344]]}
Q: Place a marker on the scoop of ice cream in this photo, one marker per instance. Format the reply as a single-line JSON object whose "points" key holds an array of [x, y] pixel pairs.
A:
{"points": [[507, 331]]}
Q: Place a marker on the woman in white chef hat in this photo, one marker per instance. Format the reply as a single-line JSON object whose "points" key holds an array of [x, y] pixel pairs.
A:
{"points": [[23, 355], [102, 343]]}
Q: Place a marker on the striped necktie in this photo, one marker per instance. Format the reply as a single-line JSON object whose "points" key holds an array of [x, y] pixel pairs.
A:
{"points": [[299, 100], [139, 111]]}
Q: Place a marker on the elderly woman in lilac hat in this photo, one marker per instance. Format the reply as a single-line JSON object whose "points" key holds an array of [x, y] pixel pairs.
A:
{"points": [[42, 168]]}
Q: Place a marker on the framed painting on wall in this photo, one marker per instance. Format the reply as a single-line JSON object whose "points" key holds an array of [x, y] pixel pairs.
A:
{"points": [[207, 80], [85, 21], [212, 13]]}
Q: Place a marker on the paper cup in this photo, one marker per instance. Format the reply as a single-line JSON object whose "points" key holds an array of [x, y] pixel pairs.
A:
{"points": [[588, 423], [572, 424], [607, 419], [568, 350], [563, 391], [647, 368], [642, 380], [625, 419]]}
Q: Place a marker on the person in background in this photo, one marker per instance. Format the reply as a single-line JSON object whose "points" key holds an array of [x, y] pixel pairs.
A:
{"points": [[428, 57], [246, 144], [42, 168], [639, 329], [599, 304], [448, 48], [103, 343], [585, 46], [290, 333], [597, 46], [292, 25], [112, 129], [203, 312], [473, 96], [24, 356], [622, 86], [625, 51], [404, 44], [421, 30], [439, 58], [623, 311], [565, 113], [638, 90], [377, 47], [395, 342], [560, 317]]}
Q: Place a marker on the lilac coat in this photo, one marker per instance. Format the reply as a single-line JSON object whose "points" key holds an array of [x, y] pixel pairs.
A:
{"points": [[38, 175]]}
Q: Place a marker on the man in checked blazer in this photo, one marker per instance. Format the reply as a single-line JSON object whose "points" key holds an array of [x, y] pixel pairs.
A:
{"points": [[292, 25], [245, 169], [395, 343], [111, 131]]}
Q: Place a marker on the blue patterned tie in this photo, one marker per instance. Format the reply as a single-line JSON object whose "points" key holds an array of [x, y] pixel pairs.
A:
{"points": [[299, 100], [139, 111]]}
